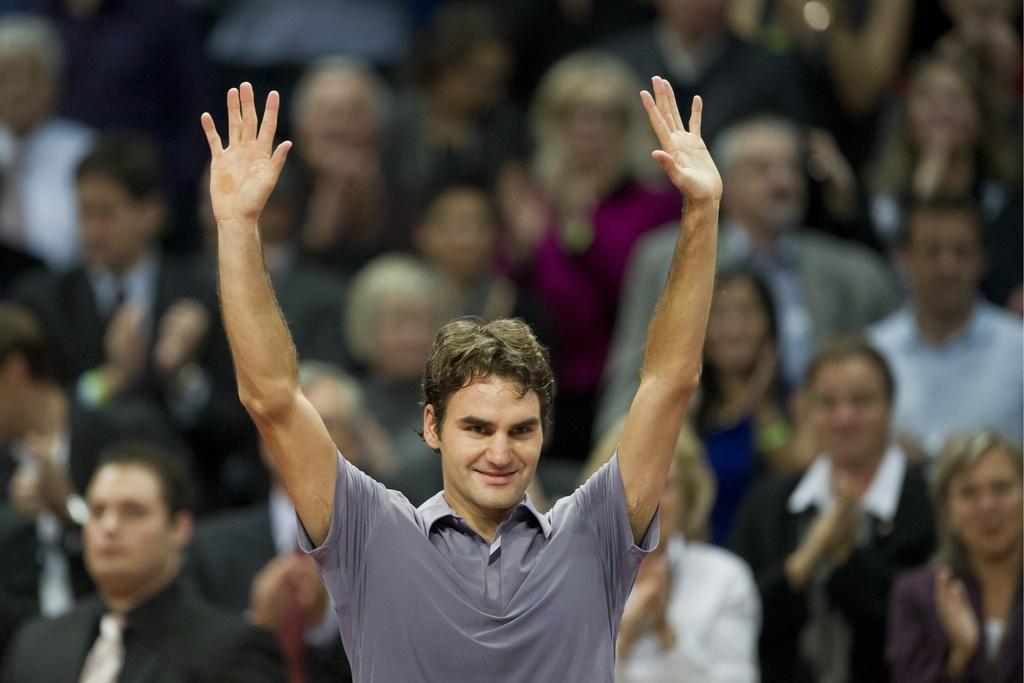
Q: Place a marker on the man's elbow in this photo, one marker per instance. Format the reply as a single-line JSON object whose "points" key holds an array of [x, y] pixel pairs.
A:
{"points": [[676, 388], [268, 404]]}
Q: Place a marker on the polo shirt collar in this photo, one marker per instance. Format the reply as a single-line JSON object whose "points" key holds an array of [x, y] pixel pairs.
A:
{"points": [[881, 499], [436, 508]]}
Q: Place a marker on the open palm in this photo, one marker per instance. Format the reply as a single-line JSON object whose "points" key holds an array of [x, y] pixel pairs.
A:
{"points": [[683, 155], [243, 174]]}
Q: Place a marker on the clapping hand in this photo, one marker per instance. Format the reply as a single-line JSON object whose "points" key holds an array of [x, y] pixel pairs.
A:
{"points": [[956, 619]]}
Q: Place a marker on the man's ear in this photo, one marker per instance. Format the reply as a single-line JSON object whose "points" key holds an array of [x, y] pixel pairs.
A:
{"points": [[182, 524], [430, 428]]}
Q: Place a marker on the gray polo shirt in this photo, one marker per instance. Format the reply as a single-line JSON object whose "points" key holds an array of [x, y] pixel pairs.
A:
{"points": [[421, 597]]}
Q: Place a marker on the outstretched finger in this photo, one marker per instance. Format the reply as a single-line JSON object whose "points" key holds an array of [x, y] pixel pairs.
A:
{"points": [[673, 108], [249, 121], [696, 111], [212, 138], [269, 125], [280, 154], [663, 92], [234, 116], [657, 121]]}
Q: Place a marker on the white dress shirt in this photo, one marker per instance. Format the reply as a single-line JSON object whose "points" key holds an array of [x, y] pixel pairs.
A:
{"points": [[715, 611]]}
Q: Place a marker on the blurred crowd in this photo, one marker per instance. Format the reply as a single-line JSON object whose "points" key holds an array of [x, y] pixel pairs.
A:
{"points": [[846, 502]]}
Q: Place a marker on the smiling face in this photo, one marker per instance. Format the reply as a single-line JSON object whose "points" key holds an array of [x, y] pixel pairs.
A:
{"points": [[850, 410], [489, 442], [984, 507]]}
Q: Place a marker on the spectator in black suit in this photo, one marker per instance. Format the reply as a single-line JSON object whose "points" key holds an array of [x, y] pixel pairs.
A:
{"points": [[140, 626], [132, 320], [49, 446], [826, 544], [19, 578]]}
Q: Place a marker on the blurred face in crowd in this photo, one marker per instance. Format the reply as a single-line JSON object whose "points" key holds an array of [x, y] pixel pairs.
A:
{"points": [[941, 109], [766, 188], [28, 91], [850, 410], [116, 229], [945, 261], [332, 404], [340, 111], [738, 327], [458, 233], [133, 545], [403, 331], [489, 443], [593, 122], [693, 18], [984, 507], [477, 82]]}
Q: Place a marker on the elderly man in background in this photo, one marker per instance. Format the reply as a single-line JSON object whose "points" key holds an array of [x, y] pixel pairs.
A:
{"points": [[38, 150], [822, 286]]}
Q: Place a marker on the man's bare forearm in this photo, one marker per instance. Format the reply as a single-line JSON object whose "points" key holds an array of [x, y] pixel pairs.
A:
{"points": [[675, 338], [261, 345]]}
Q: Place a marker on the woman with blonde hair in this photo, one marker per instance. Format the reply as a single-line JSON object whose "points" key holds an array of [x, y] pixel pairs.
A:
{"points": [[574, 220], [959, 617], [694, 612]]}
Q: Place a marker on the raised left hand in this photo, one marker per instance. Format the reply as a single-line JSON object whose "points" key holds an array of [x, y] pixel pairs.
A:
{"points": [[683, 155]]}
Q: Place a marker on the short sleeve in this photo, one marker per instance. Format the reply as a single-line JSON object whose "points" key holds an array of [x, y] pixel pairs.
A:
{"points": [[601, 503], [359, 504]]}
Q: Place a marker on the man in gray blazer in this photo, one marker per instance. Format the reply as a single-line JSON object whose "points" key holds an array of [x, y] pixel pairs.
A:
{"points": [[822, 286]]}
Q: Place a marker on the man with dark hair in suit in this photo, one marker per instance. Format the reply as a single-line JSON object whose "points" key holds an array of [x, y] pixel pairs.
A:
{"points": [[140, 626], [131, 320], [49, 447]]}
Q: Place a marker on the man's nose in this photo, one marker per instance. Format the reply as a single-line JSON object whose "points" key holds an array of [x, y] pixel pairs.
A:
{"points": [[500, 452]]}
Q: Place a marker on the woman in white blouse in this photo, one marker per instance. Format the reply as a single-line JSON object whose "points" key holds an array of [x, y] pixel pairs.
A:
{"points": [[694, 613]]}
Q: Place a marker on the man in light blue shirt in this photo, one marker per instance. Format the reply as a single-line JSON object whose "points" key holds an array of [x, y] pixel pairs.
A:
{"points": [[958, 361], [475, 585]]}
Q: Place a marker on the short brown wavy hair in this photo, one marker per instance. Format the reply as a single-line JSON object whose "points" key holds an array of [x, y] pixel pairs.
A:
{"points": [[468, 349]]}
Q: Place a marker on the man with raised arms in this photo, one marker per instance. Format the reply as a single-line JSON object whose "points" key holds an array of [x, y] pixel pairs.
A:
{"points": [[476, 584]]}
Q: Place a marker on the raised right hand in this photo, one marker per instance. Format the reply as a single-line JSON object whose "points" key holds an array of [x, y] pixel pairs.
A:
{"points": [[243, 174]]}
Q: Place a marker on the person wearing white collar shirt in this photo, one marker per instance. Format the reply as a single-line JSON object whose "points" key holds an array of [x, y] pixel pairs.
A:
{"points": [[825, 544], [694, 613]]}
